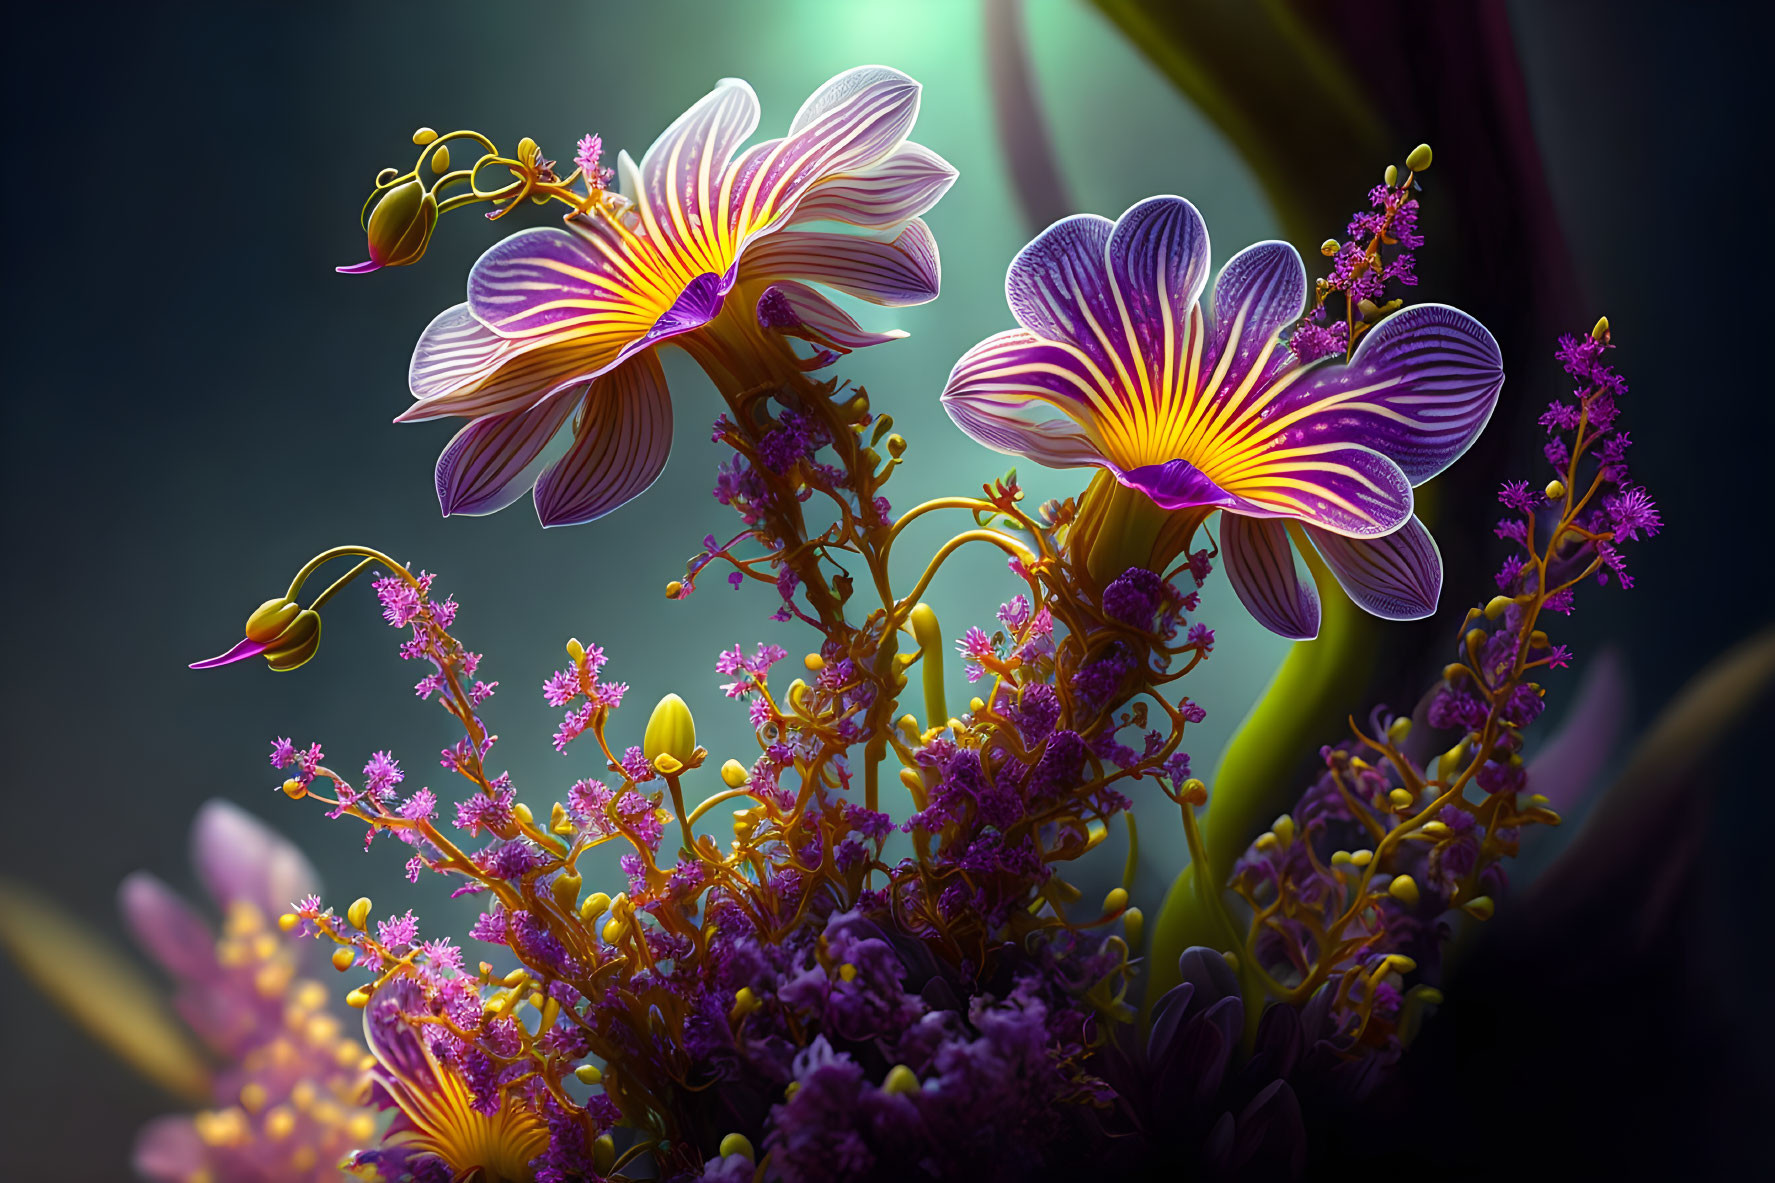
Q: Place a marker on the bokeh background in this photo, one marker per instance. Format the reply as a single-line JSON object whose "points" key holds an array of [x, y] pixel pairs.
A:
{"points": [[194, 403]]}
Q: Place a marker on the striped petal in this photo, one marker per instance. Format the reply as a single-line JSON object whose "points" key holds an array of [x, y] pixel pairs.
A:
{"points": [[1003, 391], [495, 460], [620, 445], [892, 191], [897, 273], [1397, 577], [679, 187], [549, 281], [1259, 562], [796, 310], [1419, 389], [462, 368], [1342, 487], [1261, 291]]}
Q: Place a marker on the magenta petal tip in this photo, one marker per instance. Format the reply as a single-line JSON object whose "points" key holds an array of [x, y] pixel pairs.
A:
{"points": [[247, 648], [364, 268]]}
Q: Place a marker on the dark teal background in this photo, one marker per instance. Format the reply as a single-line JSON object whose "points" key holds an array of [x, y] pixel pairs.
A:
{"points": [[195, 403]]}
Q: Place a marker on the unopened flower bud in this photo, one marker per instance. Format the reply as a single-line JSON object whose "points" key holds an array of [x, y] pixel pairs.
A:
{"points": [[1401, 798], [1115, 901], [294, 789], [1392, 175], [1601, 331], [424, 136], [1555, 490], [901, 1081], [288, 921], [674, 589], [1329, 247], [358, 999], [576, 653], [343, 957], [1404, 889], [595, 906], [359, 912], [1479, 907], [297, 643], [814, 662], [1134, 924], [399, 228], [270, 619], [588, 1074], [896, 445], [738, 1144], [671, 731], [1368, 308], [1284, 829], [734, 775], [440, 160], [603, 1153], [528, 150], [1398, 729], [1194, 792], [566, 889], [1419, 160]]}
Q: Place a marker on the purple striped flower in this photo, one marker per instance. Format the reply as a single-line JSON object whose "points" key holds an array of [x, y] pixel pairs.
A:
{"points": [[703, 244], [1117, 366]]}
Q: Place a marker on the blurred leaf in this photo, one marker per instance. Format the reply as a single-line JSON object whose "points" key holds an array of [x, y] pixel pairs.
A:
{"points": [[102, 990]]}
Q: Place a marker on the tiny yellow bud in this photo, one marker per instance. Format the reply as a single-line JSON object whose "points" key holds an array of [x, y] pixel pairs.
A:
{"points": [[744, 1002], [358, 998], [673, 590], [1392, 175], [440, 160], [566, 889], [1283, 828], [516, 977], [814, 662], [612, 931], [976, 705], [270, 619], [288, 921], [901, 1081], [1494, 607], [1266, 842], [1134, 924], [1419, 160], [1368, 308], [1340, 858], [294, 789], [671, 731], [1601, 331], [1401, 798], [1194, 792], [1329, 247], [1480, 907], [576, 652], [1399, 963], [1435, 829], [1361, 858], [734, 775], [896, 445], [527, 149], [1555, 490], [603, 1153], [847, 972], [1404, 889], [1231, 958], [588, 1074], [594, 906], [1115, 901], [1399, 729], [359, 912], [343, 958], [1455, 672], [1538, 639], [738, 1144], [424, 136], [1475, 637], [522, 812]]}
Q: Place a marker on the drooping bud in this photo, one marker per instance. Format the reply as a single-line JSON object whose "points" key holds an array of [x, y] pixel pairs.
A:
{"points": [[671, 732], [1495, 607], [1419, 160], [566, 889], [297, 643], [359, 912], [294, 789], [270, 619], [399, 228]]}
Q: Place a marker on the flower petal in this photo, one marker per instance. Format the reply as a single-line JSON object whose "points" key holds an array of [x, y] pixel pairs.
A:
{"points": [[242, 650], [548, 281], [1261, 291], [887, 193], [241, 859], [166, 927], [620, 445], [1058, 286], [495, 460], [679, 184], [797, 310], [462, 368], [1419, 389], [1000, 390], [897, 273], [1158, 257], [1259, 562], [1395, 577]]}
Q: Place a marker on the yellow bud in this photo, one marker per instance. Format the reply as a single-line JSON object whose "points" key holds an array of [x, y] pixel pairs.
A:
{"points": [[737, 1144], [271, 618], [1538, 639], [896, 445], [424, 136], [612, 931], [847, 972], [400, 226], [901, 1081], [1368, 308], [566, 888], [588, 1074], [1115, 901], [359, 912], [576, 652], [1266, 842], [744, 1003], [790, 1089], [528, 149], [976, 705], [1361, 858], [734, 775], [440, 160], [595, 906], [798, 694], [1494, 607], [1435, 829], [288, 921], [358, 998], [1555, 490], [814, 662], [1283, 828], [1329, 247], [1475, 637], [343, 958], [1601, 331], [674, 589], [1404, 889], [1480, 907], [1455, 672], [297, 643], [1401, 798], [1399, 963], [1399, 729], [1419, 160], [603, 1153], [294, 789], [671, 731], [1392, 175], [1195, 792], [1134, 924]]}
